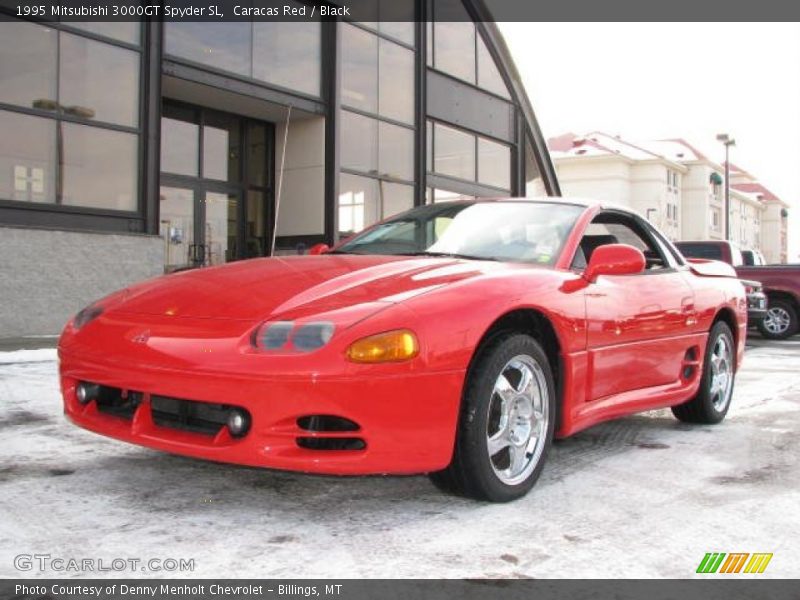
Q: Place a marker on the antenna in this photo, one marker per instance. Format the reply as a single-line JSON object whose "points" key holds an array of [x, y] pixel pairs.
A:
{"points": [[280, 180]]}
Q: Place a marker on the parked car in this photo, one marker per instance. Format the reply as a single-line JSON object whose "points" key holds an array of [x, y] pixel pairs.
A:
{"points": [[756, 302], [781, 285], [753, 258], [456, 339]]}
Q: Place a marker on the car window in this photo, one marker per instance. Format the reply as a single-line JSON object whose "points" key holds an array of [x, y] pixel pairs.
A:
{"points": [[617, 228], [515, 231], [709, 251]]}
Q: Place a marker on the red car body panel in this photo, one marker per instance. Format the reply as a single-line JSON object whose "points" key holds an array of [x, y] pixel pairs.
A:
{"points": [[624, 343]]}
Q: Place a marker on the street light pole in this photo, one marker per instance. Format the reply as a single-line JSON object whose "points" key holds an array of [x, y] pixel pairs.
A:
{"points": [[727, 141]]}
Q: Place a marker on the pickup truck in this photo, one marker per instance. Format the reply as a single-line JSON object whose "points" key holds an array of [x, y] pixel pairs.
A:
{"points": [[781, 285]]}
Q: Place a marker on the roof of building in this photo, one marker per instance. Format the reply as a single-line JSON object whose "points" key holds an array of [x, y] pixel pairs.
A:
{"points": [[674, 150], [598, 143], [677, 149], [759, 190]]}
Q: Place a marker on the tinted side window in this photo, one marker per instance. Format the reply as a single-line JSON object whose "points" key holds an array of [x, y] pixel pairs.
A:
{"points": [[708, 251]]}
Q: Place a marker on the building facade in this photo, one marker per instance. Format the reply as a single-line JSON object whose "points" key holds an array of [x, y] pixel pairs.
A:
{"points": [[676, 187], [134, 149]]}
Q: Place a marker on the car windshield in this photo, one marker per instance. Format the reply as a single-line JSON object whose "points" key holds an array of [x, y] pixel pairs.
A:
{"points": [[515, 231]]}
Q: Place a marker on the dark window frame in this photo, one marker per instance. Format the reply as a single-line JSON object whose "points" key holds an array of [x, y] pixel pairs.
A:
{"points": [[12, 217], [250, 79], [479, 37], [412, 126], [480, 188]]}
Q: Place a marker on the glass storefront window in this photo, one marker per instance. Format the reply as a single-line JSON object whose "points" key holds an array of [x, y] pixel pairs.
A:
{"points": [[123, 31], [180, 144], [359, 142], [395, 151], [255, 227], [396, 84], [284, 54], [27, 158], [489, 77], [396, 198], [98, 81], [454, 49], [288, 55], [28, 65], [441, 195], [453, 152], [221, 141], [220, 227], [176, 226], [400, 30], [99, 168], [62, 74], [468, 157], [358, 203], [359, 68], [375, 147], [494, 164], [256, 154], [226, 46]]}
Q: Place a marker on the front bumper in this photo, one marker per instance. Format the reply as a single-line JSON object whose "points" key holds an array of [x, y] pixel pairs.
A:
{"points": [[756, 307], [407, 421]]}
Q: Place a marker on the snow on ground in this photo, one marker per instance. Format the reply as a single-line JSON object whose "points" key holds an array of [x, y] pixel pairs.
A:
{"points": [[644, 496]]}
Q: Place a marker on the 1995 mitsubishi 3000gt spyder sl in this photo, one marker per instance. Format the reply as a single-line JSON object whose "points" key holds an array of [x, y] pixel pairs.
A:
{"points": [[456, 339]]}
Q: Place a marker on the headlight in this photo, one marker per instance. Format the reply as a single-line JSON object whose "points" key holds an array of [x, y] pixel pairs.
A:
{"points": [[312, 336], [392, 346], [272, 336], [303, 338], [87, 315]]}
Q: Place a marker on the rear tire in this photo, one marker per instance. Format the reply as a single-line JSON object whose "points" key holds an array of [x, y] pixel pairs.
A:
{"points": [[506, 423], [780, 322], [713, 399]]}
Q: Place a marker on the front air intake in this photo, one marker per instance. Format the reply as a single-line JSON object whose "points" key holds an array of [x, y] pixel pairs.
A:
{"points": [[332, 443], [321, 423]]}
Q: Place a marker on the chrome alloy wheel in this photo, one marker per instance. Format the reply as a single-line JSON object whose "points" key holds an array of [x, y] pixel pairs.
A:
{"points": [[721, 373], [777, 320], [519, 414]]}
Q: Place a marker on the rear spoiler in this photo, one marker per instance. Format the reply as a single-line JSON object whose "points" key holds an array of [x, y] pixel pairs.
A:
{"points": [[711, 268]]}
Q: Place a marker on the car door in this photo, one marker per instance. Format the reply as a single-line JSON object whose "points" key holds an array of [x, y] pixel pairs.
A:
{"points": [[637, 324]]}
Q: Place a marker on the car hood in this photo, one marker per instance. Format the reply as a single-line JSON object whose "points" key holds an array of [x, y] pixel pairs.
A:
{"points": [[293, 287]]}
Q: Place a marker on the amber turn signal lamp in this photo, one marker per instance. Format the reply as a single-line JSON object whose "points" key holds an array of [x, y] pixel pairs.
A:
{"points": [[392, 346]]}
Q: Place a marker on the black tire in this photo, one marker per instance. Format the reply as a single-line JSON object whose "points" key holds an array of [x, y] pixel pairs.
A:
{"points": [[771, 327], [471, 472], [703, 408]]}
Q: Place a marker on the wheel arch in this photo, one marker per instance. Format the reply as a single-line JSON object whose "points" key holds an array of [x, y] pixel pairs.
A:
{"points": [[785, 296], [536, 323], [728, 316]]}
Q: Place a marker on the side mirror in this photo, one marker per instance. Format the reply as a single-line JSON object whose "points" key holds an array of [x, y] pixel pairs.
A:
{"points": [[318, 249], [614, 259]]}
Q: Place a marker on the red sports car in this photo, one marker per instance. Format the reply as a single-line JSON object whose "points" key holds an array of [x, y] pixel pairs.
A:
{"points": [[456, 339]]}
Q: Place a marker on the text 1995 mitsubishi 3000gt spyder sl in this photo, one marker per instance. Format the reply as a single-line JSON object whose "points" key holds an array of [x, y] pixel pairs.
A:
{"points": [[456, 339]]}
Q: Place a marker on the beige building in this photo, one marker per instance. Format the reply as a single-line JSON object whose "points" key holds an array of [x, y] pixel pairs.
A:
{"points": [[675, 186]]}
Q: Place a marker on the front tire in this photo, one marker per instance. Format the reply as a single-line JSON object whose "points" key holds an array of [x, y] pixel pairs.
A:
{"points": [[713, 399], [780, 322], [506, 424]]}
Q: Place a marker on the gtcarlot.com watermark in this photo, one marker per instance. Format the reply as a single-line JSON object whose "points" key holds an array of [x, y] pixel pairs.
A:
{"points": [[70, 564]]}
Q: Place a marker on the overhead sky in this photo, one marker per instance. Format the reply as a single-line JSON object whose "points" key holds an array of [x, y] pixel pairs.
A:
{"points": [[662, 80]]}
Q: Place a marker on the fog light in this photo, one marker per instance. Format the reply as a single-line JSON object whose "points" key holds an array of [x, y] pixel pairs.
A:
{"points": [[238, 422], [86, 392]]}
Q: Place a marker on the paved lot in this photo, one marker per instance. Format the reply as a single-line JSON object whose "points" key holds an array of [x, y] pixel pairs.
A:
{"points": [[645, 496]]}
